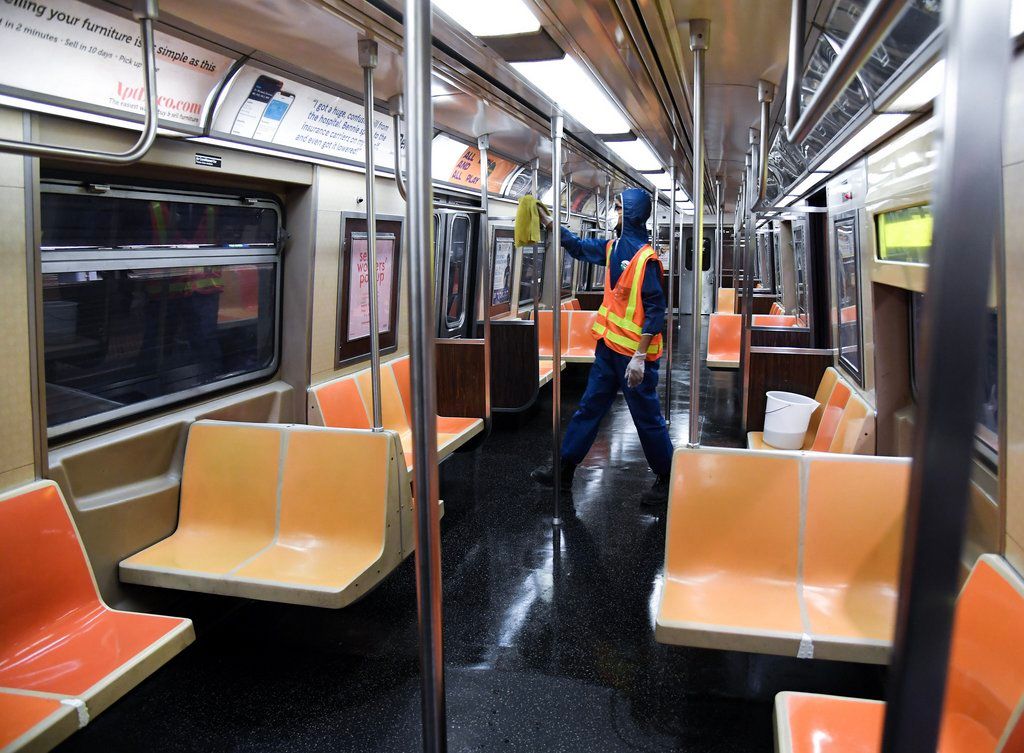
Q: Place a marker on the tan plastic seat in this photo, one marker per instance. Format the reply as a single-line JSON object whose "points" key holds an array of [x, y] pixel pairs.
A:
{"points": [[737, 524], [58, 638], [298, 514], [580, 336], [724, 341], [983, 710], [855, 432], [755, 439], [726, 301], [34, 723]]}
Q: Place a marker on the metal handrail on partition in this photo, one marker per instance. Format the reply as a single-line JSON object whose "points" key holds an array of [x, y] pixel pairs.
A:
{"points": [[700, 39], [874, 24], [145, 12], [555, 244], [396, 107]]}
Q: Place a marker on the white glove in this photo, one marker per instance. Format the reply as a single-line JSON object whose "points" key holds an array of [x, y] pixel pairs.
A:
{"points": [[545, 217], [635, 370]]}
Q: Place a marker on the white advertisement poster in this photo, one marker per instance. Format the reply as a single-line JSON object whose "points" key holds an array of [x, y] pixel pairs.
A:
{"points": [[502, 289], [359, 287], [70, 50], [267, 107]]}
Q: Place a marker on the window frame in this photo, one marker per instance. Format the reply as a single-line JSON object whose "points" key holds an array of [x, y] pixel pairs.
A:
{"points": [[857, 373], [447, 326], [56, 261]]}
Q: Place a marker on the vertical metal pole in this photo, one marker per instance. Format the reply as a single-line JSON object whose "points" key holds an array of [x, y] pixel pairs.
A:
{"points": [[670, 324], [420, 130], [368, 61], [555, 245], [765, 95], [967, 184], [608, 226], [700, 36], [717, 276], [487, 283], [535, 282]]}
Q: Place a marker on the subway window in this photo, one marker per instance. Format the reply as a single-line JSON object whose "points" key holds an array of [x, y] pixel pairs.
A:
{"points": [[847, 295], [151, 298], [456, 276], [905, 235]]}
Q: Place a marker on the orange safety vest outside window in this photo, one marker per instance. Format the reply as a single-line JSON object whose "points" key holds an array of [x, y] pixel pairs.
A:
{"points": [[620, 320]]}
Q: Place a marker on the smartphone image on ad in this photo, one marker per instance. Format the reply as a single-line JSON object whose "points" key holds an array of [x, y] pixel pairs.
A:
{"points": [[248, 118], [273, 115]]}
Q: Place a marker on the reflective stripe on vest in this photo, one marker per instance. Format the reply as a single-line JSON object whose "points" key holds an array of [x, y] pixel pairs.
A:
{"points": [[620, 326]]}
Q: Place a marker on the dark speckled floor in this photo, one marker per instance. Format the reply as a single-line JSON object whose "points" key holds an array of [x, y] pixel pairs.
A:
{"points": [[549, 640]]}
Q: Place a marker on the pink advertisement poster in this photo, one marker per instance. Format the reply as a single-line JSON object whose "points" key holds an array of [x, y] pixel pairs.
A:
{"points": [[359, 289]]}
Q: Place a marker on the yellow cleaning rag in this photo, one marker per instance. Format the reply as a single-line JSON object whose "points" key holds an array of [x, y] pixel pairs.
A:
{"points": [[527, 230]]}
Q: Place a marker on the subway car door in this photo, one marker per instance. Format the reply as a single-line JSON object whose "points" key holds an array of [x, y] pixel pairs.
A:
{"points": [[455, 245], [705, 270]]}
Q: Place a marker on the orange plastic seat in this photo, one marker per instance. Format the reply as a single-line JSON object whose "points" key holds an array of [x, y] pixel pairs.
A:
{"points": [[724, 341], [726, 301], [774, 320], [340, 404], [57, 636], [755, 439], [777, 309], [315, 518], [580, 337], [571, 304], [984, 703], [34, 723], [828, 424], [545, 336], [732, 549]]}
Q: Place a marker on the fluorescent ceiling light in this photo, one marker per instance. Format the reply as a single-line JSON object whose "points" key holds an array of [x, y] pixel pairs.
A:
{"points": [[662, 181], [490, 19], [805, 185], [636, 153], [1017, 18], [874, 130], [923, 91], [574, 90]]}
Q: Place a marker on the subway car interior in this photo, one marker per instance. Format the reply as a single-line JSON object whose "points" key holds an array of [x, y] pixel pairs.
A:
{"points": [[296, 455]]}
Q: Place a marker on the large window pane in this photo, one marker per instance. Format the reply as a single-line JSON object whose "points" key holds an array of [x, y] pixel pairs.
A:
{"points": [[847, 295], [84, 221], [455, 277], [905, 234], [114, 339]]}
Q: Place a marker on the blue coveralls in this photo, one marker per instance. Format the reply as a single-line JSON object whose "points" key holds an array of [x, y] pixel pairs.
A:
{"points": [[608, 373]]}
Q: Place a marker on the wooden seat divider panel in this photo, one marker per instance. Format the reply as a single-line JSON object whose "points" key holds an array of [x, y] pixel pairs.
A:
{"points": [[730, 556], [852, 546], [236, 464], [516, 369], [56, 635], [31, 723]]}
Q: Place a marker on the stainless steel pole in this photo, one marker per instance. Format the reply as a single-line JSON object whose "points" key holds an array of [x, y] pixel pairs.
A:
{"points": [[486, 282], [670, 324], [968, 184], [608, 226], [700, 36], [419, 209], [555, 245], [368, 61], [765, 95], [718, 237], [535, 269]]}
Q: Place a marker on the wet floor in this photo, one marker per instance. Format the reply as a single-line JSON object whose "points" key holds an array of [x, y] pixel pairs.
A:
{"points": [[549, 639]]}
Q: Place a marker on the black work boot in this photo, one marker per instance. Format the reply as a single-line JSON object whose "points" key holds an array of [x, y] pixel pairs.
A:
{"points": [[658, 493], [544, 475]]}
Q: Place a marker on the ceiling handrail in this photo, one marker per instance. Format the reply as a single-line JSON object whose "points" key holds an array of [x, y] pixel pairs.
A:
{"points": [[146, 12]]}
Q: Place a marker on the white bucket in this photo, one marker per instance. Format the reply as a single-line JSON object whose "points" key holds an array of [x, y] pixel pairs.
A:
{"points": [[786, 417]]}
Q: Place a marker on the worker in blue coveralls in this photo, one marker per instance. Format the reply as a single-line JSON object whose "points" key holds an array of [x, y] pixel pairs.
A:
{"points": [[635, 374]]}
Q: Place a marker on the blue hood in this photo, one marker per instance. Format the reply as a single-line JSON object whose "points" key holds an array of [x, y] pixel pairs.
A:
{"points": [[636, 209]]}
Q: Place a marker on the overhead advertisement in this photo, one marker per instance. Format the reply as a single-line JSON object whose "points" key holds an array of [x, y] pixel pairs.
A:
{"points": [[266, 107], [72, 51], [466, 170]]}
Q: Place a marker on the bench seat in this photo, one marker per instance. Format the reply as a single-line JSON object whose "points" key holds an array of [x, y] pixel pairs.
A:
{"points": [[724, 341], [783, 553], [57, 636], [296, 514], [578, 344], [726, 301], [30, 723], [348, 403], [984, 702]]}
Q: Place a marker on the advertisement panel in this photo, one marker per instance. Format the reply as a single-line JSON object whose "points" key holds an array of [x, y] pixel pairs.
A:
{"points": [[267, 107], [359, 288], [501, 290], [72, 51]]}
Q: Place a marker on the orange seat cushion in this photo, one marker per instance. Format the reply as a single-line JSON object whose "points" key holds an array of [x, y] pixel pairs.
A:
{"points": [[830, 417], [829, 724], [341, 406], [23, 714], [724, 339], [58, 637], [774, 320]]}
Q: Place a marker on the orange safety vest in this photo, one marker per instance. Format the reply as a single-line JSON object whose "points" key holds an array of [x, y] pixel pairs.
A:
{"points": [[620, 320]]}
